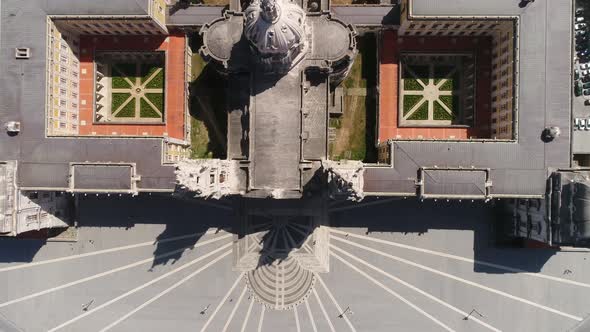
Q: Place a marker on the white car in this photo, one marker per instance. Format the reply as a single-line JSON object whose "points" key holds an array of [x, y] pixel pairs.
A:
{"points": [[579, 19], [584, 73], [580, 26], [584, 66]]}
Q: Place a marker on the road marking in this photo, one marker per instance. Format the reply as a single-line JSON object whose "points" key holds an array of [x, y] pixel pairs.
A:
{"points": [[463, 313], [166, 291], [423, 267], [261, 319], [464, 259], [296, 319], [233, 312], [335, 303], [247, 315], [399, 297], [222, 302], [315, 293], [104, 251], [106, 273], [315, 329], [137, 289]]}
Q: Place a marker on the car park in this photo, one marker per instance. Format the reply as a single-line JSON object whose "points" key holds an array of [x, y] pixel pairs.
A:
{"points": [[580, 26]]}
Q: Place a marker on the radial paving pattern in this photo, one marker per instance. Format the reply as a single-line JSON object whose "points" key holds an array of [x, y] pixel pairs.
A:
{"points": [[395, 266]]}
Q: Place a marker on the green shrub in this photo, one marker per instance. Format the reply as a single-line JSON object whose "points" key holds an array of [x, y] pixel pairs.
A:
{"points": [[410, 101], [157, 99], [157, 82], [422, 72], [440, 113], [411, 84], [128, 111], [421, 113], [146, 110], [146, 70], [118, 99], [118, 82]]}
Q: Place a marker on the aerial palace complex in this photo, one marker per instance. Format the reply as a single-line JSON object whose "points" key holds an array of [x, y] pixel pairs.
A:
{"points": [[280, 100]]}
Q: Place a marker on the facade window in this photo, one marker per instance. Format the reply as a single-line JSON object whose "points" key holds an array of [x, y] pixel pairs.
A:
{"points": [[62, 125], [62, 102], [74, 116], [63, 58], [63, 69], [74, 105], [63, 80], [74, 95], [62, 92]]}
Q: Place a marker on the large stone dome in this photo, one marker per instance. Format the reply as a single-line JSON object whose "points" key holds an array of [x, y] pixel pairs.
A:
{"points": [[276, 29]]}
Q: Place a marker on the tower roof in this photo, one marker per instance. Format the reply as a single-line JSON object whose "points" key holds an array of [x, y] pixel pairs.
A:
{"points": [[276, 28]]}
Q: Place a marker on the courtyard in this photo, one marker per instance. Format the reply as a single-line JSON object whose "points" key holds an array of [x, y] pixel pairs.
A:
{"points": [[436, 89], [130, 87], [428, 88]]}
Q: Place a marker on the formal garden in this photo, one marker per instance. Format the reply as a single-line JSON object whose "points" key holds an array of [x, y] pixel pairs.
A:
{"points": [[134, 91], [434, 89]]}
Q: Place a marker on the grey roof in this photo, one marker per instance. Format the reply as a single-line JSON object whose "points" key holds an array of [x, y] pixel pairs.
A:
{"points": [[102, 7], [45, 161], [194, 15], [544, 90], [368, 15]]}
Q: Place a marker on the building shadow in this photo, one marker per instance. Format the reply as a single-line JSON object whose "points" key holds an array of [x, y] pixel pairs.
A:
{"points": [[184, 220], [410, 216]]}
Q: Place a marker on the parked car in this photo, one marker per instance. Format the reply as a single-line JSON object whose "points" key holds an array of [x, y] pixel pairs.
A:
{"points": [[576, 74], [585, 79], [580, 26], [580, 33], [582, 39], [581, 46], [579, 19], [586, 85], [584, 66], [579, 11], [583, 53]]}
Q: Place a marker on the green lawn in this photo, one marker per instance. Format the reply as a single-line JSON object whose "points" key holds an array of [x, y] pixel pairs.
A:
{"points": [[354, 129], [421, 113], [207, 108]]}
